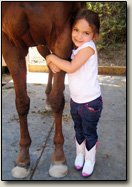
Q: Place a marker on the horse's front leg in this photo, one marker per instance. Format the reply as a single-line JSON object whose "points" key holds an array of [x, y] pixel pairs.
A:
{"points": [[58, 167], [22, 162], [62, 48], [15, 59]]}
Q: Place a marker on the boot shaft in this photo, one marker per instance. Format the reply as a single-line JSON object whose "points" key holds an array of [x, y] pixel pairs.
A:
{"points": [[80, 148], [90, 158], [91, 154]]}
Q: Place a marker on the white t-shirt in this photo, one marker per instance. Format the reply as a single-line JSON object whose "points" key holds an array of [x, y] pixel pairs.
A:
{"points": [[83, 83]]}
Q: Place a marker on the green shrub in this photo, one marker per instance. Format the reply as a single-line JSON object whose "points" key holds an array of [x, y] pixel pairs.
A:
{"points": [[112, 21]]}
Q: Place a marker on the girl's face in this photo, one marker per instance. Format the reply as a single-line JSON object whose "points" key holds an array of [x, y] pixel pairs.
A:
{"points": [[81, 32]]}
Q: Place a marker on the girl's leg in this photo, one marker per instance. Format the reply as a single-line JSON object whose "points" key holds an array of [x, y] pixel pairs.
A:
{"points": [[77, 122], [90, 117], [79, 138]]}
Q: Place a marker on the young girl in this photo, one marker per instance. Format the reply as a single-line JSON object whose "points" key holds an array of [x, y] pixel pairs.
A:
{"points": [[86, 100]]}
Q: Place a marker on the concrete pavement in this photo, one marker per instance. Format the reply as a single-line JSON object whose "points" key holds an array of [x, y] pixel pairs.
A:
{"points": [[111, 153]]}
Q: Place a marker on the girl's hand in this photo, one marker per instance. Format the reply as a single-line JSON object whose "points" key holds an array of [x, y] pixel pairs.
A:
{"points": [[48, 61], [50, 58], [54, 68]]}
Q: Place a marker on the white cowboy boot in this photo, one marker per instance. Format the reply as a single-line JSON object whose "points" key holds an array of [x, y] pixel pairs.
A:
{"points": [[90, 158], [80, 154]]}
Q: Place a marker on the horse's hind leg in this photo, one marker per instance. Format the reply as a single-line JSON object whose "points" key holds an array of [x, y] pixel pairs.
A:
{"points": [[48, 90], [44, 51], [15, 59]]}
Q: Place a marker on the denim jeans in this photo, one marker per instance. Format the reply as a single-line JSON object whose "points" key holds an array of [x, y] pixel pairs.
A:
{"points": [[86, 117]]}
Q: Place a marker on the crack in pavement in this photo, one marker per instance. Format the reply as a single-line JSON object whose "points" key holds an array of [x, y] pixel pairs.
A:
{"points": [[38, 160]]}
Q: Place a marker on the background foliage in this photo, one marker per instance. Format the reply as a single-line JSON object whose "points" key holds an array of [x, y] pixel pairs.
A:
{"points": [[113, 22]]}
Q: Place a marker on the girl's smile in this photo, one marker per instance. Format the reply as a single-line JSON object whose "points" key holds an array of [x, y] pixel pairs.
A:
{"points": [[81, 32]]}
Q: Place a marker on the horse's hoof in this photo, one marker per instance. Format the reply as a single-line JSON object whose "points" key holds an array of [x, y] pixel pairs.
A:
{"points": [[48, 107], [21, 172], [58, 169]]}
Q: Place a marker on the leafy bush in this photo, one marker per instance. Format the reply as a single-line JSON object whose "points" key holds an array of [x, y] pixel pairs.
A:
{"points": [[113, 21]]}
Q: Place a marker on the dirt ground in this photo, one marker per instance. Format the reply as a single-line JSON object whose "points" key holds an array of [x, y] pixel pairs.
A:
{"points": [[112, 56]]}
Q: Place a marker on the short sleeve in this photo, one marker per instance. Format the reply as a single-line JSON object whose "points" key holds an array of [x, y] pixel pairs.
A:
{"points": [[87, 44]]}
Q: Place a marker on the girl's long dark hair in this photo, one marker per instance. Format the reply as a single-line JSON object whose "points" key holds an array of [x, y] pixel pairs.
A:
{"points": [[90, 16]]}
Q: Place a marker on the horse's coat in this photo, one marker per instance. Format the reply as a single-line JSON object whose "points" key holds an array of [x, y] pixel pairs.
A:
{"points": [[46, 25]]}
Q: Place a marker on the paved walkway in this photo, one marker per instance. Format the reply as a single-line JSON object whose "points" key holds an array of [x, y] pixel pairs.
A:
{"points": [[111, 153]]}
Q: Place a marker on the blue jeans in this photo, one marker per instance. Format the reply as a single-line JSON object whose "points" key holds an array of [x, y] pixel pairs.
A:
{"points": [[86, 117]]}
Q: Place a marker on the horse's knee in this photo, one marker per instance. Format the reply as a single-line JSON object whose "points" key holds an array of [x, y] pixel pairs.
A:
{"points": [[59, 140], [23, 105], [57, 102]]}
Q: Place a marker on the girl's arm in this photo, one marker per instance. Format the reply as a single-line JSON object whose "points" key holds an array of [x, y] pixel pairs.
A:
{"points": [[70, 67]]}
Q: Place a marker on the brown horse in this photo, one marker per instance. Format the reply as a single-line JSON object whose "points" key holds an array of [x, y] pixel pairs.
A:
{"points": [[46, 25]]}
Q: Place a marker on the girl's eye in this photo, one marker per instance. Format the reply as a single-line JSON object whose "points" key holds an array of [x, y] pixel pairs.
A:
{"points": [[75, 30], [86, 33]]}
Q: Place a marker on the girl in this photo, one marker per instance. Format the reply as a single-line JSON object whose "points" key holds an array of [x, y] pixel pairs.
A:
{"points": [[86, 100]]}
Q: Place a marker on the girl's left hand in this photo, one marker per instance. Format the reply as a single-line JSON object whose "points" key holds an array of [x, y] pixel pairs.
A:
{"points": [[54, 68]]}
